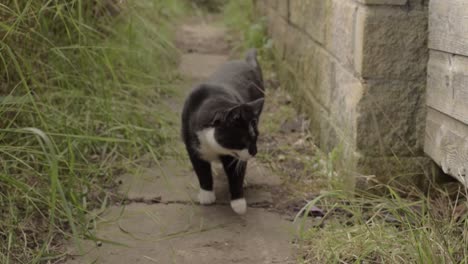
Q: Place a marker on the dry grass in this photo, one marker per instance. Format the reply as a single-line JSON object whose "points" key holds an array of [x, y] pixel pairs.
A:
{"points": [[366, 228]]}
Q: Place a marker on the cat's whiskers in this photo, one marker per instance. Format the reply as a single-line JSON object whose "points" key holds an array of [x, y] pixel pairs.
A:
{"points": [[260, 89], [240, 166], [233, 161], [255, 86], [236, 162]]}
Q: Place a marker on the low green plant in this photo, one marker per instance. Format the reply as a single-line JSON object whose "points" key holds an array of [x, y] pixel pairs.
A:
{"points": [[81, 84]]}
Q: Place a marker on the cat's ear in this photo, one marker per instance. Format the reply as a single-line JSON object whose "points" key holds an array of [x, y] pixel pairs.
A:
{"points": [[257, 106], [218, 118], [227, 116], [234, 113]]}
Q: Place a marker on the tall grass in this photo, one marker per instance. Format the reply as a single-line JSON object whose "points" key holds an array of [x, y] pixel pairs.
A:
{"points": [[80, 89]]}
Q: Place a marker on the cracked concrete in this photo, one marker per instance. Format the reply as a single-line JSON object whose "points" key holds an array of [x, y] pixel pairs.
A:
{"points": [[174, 181], [163, 222]]}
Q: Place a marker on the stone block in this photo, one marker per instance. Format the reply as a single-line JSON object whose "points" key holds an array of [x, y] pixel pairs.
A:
{"points": [[296, 44], [315, 72], [283, 9], [391, 43], [391, 118], [316, 114], [315, 75], [338, 128], [306, 72], [272, 18], [340, 30], [279, 31], [304, 99], [310, 16], [346, 92], [271, 3], [261, 7]]}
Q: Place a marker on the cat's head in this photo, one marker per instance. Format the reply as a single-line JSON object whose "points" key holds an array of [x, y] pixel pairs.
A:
{"points": [[236, 129]]}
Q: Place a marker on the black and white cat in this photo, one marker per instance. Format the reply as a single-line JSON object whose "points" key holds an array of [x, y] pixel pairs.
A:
{"points": [[219, 123]]}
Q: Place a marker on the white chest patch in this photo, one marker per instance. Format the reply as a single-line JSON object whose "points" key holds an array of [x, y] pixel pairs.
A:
{"points": [[210, 149]]}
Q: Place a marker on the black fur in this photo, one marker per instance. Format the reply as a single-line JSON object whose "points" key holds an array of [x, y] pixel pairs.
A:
{"points": [[230, 101]]}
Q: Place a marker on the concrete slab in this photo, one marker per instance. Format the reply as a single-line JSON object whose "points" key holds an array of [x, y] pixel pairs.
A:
{"points": [[175, 181], [200, 66], [169, 182], [180, 233], [202, 38]]}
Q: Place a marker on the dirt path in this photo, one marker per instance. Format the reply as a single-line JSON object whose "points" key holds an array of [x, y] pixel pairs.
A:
{"points": [[163, 223]]}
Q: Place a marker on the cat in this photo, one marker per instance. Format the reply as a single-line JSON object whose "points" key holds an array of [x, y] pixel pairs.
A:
{"points": [[220, 123]]}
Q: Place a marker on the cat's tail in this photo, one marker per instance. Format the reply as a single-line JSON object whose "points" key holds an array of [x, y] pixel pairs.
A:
{"points": [[251, 57]]}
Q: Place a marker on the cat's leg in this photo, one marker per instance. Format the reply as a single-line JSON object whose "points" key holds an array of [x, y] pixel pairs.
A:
{"points": [[203, 170], [235, 171]]}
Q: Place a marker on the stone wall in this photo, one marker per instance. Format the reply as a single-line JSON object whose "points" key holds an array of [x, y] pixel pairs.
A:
{"points": [[359, 68], [447, 87]]}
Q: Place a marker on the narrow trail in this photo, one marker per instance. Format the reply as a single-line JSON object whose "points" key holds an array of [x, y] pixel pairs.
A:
{"points": [[163, 223]]}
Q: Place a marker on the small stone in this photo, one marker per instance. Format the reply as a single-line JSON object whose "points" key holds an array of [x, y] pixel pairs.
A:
{"points": [[299, 143], [286, 100], [99, 243], [292, 125], [316, 212], [281, 157]]}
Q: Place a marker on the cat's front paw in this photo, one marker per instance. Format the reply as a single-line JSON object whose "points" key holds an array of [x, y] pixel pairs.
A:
{"points": [[206, 197], [239, 206]]}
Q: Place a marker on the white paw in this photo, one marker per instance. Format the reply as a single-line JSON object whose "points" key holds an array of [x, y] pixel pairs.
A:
{"points": [[239, 206], [206, 197]]}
